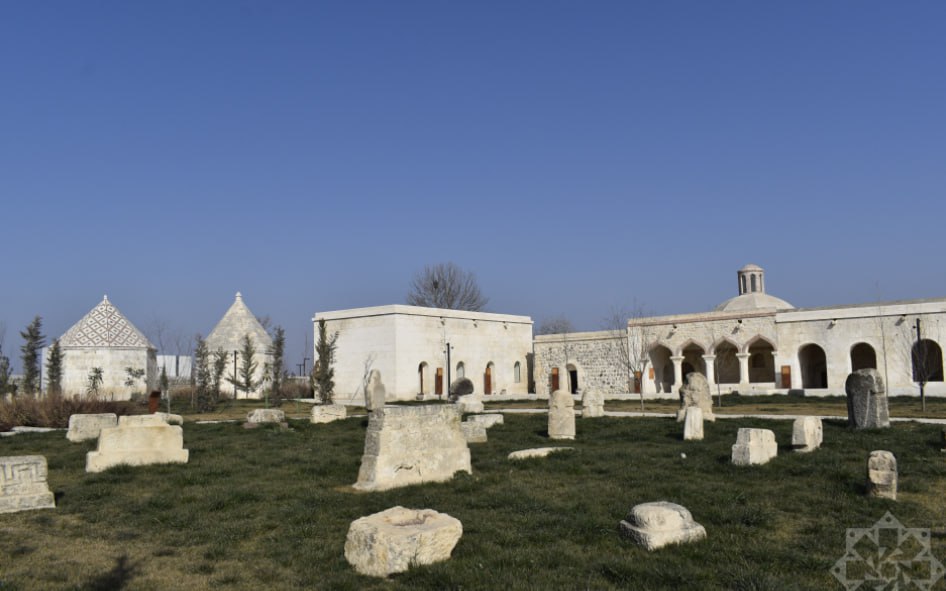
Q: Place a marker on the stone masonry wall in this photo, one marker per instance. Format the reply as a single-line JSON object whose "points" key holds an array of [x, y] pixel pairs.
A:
{"points": [[595, 355]]}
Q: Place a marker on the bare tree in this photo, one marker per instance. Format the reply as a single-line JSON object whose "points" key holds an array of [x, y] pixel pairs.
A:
{"points": [[629, 349], [445, 285]]}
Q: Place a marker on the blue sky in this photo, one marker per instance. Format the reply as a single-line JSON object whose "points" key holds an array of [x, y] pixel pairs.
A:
{"points": [[575, 156]]}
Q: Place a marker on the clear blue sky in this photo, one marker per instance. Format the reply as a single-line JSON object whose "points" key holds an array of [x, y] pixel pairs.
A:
{"points": [[574, 155]]}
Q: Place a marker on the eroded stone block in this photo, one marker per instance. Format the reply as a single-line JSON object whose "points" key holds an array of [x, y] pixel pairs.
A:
{"points": [[266, 415], [474, 432], [488, 420], [866, 400], [470, 403], [561, 415], [137, 444], [83, 427], [326, 413], [536, 452], [882, 475], [807, 434], [655, 525], [693, 424], [592, 404], [23, 484], [696, 392], [754, 446]]}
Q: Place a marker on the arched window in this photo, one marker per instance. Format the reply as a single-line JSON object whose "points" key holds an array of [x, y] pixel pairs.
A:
{"points": [[461, 370], [927, 362], [752, 281], [517, 373], [423, 378], [814, 367], [863, 357], [488, 379]]}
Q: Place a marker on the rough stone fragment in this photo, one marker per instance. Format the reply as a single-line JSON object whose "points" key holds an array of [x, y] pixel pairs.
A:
{"points": [[377, 393], [393, 540], [536, 452], [85, 427], [470, 403], [23, 484], [561, 415], [882, 475], [754, 446], [696, 392], [866, 400], [326, 413], [266, 415], [807, 434], [655, 525], [693, 424], [412, 444], [488, 420], [473, 432], [592, 403], [142, 420], [136, 444]]}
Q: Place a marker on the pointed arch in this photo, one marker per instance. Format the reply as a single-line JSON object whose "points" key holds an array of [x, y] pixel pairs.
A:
{"points": [[689, 343], [756, 339], [662, 366]]}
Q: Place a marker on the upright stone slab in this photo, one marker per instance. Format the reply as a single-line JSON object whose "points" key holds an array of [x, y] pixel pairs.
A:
{"points": [[137, 443], [265, 415], [655, 525], [693, 424], [882, 475], [807, 433], [592, 404], [412, 444], [326, 413], [85, 427], [754, 446], [474, 432], [377, 393], [866, 400], [23, 484], [394, 540], [488, 420], [561, 415], [696, 392]]}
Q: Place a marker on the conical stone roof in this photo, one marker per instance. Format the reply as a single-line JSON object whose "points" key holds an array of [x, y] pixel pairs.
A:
{"points": [[235, 324], [104, 327]]}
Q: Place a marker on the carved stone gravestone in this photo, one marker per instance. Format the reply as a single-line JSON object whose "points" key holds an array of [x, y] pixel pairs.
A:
{"points": [[754, 446], [655, 525], [136, 442], [807, 433], [23, 484], [84, 427], [866, 400], [693, 424], [561, 415], [412, 444], [592, 403], [696, 392], [326, 413], [882, 475]]}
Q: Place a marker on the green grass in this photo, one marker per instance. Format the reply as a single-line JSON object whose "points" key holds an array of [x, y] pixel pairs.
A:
{"points": [[270, 508]]}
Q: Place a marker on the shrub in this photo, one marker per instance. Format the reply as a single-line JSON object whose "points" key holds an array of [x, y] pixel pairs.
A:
{"points": [[54, 411]]}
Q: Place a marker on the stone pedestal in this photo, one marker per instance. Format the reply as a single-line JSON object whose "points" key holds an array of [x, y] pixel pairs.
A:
{"points": [[412, 444], [693, 424], [882, 475], [326, 413], [23, 485], [86, 427], [135, 443], [655, 525], [807, 433], [754, 446], [393, 540], [561, 415], [470, 403]]}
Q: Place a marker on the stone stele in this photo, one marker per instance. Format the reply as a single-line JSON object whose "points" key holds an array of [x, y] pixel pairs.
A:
{"points": [[693, 424], [393, 540], [137, 443], [882, 475], [866, 400], [592, 403], [23, 484], [474, 432], [488, 419], [696, 392], [326, 413], [412, 444], [85, 427], [561, 415], [655, 525], [536, 452], [266, 415], [754, 446], [807, 434]]}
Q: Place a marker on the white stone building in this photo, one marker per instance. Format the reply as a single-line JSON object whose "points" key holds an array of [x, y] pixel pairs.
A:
{"points": [[105, 339], [758, 343], [419, 351], [229, 334]]}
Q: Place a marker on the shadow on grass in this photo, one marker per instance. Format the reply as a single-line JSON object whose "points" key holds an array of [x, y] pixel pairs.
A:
{"points": [[115, 579]]}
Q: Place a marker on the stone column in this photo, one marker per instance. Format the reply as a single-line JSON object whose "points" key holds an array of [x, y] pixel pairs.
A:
{"points": [[710, 362], [677, 373], [743, 367]]}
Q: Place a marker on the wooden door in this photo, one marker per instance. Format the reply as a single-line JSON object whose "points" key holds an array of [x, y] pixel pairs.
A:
{"points": [[554, 379], [438, 382], [488, 380], [786, 376]]}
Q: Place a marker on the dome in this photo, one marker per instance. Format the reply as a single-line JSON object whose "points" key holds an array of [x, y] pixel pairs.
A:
{"points": [[750, 267], [753, 301]]}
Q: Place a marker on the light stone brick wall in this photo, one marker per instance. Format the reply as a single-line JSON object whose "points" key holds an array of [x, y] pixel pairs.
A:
{"points": [[79, 361], [595, 355]]}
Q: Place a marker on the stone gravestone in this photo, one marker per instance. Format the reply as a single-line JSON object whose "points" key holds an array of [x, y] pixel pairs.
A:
{"points": [[807, 434], [866, 400], [536, 452], [262, 416], [754, 446], [488, 420], [136, 442], [377, 393], [23, 484], [696, 392], [882, 475], [326, 413], [394, 540], [474, 432], [693, 424], [85, 427], [561, 415], [592, 403], [412, 444], [655, 525]]}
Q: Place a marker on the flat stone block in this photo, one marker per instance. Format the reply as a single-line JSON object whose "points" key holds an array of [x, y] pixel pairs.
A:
{"points": [[474, 432], [84, 427], [327, 413], [754, 446], [536, 452], [655, 525], [693, 424], [393, 540], [882, 475], [807, 434], [23, 485], [470, 403], [136, 445], [266, 415], [488, 420]]}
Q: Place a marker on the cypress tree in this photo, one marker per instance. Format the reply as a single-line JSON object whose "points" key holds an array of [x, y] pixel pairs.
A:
{"points": [[33, 341], [54, 369], [324, 372]]}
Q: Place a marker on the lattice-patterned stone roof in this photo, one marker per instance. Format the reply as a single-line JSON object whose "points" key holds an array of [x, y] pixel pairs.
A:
{"points": [[105, 326]]}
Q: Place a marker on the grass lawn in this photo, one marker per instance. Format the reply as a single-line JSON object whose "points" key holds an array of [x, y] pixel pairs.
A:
{"points": [[270, 508]]}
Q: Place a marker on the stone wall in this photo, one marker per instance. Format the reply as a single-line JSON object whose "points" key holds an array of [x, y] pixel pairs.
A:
{"points": [[79, 361], [594, 355]]}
